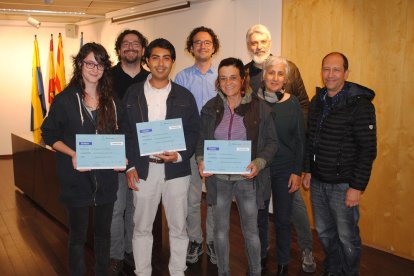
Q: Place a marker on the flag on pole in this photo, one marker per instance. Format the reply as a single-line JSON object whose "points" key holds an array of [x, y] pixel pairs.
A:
{"points": [[51, 90], [81, 40], [38, 108], [60, 81]]}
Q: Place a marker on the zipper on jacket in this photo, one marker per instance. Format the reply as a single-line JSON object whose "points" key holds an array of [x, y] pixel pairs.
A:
{"points": [[96, 189], [140, 109], [230, 126]]}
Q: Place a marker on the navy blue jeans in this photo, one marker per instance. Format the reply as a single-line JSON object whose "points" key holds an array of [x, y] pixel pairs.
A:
{"points": [[337, 227], [282, 210], [299, 218], [78, 227]]}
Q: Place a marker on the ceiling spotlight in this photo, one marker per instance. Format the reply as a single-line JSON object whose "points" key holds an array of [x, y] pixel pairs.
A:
{"points": [[34, 22]]}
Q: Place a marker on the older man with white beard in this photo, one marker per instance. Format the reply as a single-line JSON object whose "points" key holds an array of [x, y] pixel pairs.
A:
{"points": [[259, 42]]}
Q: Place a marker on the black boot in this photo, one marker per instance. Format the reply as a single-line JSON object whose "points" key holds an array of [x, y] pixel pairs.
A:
{"points": [[282, 270]]}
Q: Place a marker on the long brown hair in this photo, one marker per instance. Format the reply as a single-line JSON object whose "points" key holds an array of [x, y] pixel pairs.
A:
{"points": [[106, 117]]}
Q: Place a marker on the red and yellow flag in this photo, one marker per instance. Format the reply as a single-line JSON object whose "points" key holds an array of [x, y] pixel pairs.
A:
{"points": [[38, 107], [51, 90], [60, 81]]}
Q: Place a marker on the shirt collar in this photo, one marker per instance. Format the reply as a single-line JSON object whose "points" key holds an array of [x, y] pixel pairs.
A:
{"points": [[148, 85], [210, 70]]}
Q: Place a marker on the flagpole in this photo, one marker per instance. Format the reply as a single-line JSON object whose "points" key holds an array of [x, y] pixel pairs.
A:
{"points": [[38, 105], [51, 88]]}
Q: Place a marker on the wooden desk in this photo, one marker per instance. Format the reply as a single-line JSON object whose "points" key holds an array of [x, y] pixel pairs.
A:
{"points": [[35, 174]]}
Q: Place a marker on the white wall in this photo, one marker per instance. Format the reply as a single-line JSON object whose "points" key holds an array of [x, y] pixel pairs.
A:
{"points": [[230, 20]]}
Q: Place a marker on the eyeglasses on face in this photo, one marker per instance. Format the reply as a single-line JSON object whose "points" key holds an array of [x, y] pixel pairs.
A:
{"points": [[134, 44], [198, 43], [91, 65]]}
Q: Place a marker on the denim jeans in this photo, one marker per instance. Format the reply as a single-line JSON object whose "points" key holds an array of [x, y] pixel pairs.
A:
{"points": [[245, 193], [122, 220], [300, 220], [194, 213], [337, 227], [78, 226], [282, 209]]}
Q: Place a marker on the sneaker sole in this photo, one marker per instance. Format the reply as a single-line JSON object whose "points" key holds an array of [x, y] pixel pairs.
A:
{"points": [[211, 259], [194, 260], [309, 268]]}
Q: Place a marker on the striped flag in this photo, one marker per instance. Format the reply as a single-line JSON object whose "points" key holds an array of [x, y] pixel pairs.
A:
{"points": [[60, 81], [51, 71], [81, 40], [38, 108]]}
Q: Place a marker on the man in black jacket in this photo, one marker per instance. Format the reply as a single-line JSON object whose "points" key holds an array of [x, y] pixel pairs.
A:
{"points": [[341, 148], [165, 175]]}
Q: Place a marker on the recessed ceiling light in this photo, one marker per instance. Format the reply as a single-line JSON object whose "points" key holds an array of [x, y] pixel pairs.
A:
{"points": [[46, 12]]}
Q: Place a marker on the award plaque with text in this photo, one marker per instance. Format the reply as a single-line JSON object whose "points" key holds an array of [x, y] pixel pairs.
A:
{"points": [[100, 151], [160, 136], [227, 156]]}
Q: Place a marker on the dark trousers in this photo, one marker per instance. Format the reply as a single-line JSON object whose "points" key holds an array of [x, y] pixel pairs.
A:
{"points": [[263, 225], [78, 227], [282, 210], [337, 227]]}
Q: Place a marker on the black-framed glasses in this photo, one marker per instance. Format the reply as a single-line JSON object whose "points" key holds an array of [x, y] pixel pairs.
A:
{"points": [[134, 44], [198, 43], [91, 65]]}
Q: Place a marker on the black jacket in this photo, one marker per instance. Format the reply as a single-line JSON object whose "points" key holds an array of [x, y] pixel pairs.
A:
{"points": [[342, 147], [62, 123], [261, 130], [180, 104], [121, 80]]}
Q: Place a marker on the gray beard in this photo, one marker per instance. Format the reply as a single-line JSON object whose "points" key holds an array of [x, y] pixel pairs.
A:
{"points": [[260, 60]]}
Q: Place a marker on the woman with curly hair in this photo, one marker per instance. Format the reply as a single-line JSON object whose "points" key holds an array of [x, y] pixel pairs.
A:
{"points": [[85, 106]]}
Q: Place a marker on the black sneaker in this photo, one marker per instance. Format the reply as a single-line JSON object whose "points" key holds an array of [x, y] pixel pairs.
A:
{"points": [[211, 252], [194, 250], [115, 267]]}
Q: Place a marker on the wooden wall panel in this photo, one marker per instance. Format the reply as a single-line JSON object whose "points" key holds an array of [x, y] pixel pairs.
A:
{"points": [[378, 39]]}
